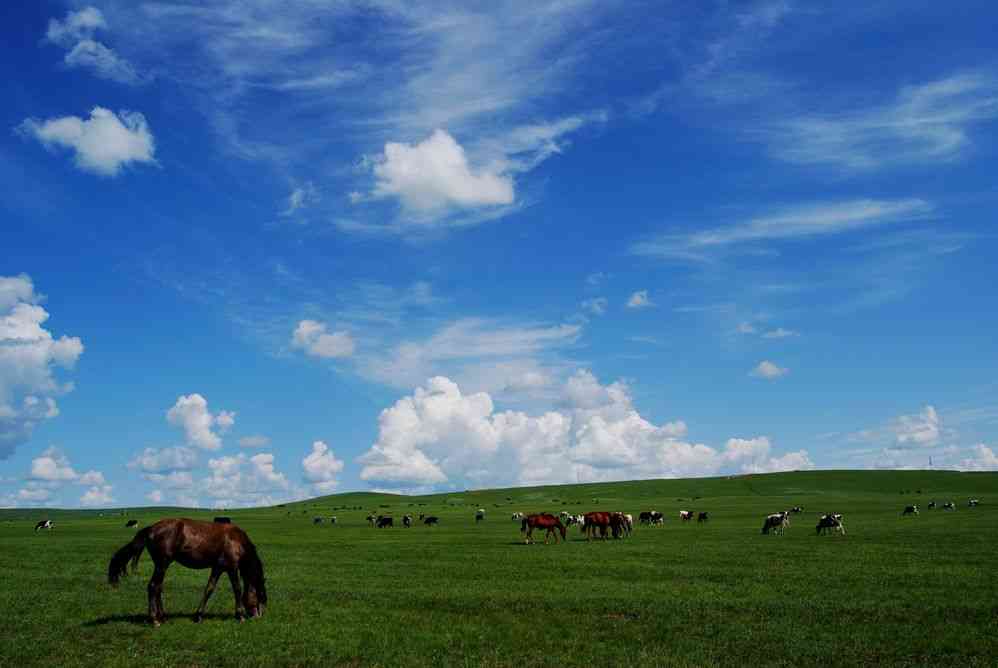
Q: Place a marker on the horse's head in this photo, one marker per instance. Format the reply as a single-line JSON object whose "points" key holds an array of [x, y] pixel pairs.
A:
{"points": [[255, 600]]}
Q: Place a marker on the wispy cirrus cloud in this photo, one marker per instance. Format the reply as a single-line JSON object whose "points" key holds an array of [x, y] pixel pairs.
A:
{"points": [[927, 122], [791, 223]]}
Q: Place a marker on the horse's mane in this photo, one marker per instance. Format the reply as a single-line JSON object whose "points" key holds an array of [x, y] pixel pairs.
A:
{"points": [[251, 569]]}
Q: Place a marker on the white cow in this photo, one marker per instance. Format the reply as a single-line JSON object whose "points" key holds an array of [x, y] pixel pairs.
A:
{"points": [[973, 502], [479, 515]]}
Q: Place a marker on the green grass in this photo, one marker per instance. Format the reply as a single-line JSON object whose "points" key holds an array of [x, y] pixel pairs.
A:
{"points": [[912, 591]]}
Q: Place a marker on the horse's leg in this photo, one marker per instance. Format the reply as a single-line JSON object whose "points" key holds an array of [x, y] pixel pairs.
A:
{"points": [[155, 589], [209, 589], [237, 591]]}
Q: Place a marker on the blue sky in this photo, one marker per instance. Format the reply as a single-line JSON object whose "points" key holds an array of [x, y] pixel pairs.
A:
{"points": [[254, 252]]}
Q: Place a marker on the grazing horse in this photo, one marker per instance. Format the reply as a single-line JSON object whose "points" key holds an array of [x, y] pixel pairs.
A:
{"points": [[44, 524], [615, 522], [131, 523], [224, 548], [431, 520], [541, 521]]}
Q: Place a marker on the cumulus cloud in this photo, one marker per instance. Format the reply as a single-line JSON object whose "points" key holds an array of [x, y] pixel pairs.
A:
{"points": [[155, 496], [442, 436], [153, 460], [52, 466], [434, 175], [639, 299], [320, 467], [311, 336], [921, 430], [769, 370], [29, 357], [103, 143], [191, 414], [981, 458], [76, 34], [99, 495], [244, 481]]}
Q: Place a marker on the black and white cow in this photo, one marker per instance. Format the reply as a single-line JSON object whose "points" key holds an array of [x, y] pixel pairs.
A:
{"points": [[516, 517], [829, 523], [973, 503], [131, 523], [371, 519], [316, 520], [910, 510], [932, 505], [332, 520], [479, 515], [686, 515], [385, 522], [44, 524], [703, 517], [797, 509], [407, 521], [776, 523], [949, 505], [431, 520]]}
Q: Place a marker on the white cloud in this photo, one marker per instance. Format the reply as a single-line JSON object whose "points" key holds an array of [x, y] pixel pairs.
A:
{"points": [[302, 197], [97, 496], [33, 493], [311, 337], [746, 328], [52, 470], [321, 467], [244, 481], [191, 413], [481, 353], [29, 356], [982, 458], [76, 34], [926, 123], [155, 496], [596, 306], [76, 26], [917, 431], [779, 333], [254, 441], [434, 175], [103, 144], [787, 224], [769, 370], [152, 460], [171, 479], [441, 436], [639, 299], [104, 62]]}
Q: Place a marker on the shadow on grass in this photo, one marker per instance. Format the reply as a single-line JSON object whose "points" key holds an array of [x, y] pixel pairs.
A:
{"points": [[143, 620]]}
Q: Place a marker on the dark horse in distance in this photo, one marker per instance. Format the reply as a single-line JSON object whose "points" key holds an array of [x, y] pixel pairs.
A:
{"points": [[542, 521], [224, 548]]}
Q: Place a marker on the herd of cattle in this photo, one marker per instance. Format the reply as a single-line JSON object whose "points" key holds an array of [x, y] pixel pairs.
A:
{"points": [[615, 524]]}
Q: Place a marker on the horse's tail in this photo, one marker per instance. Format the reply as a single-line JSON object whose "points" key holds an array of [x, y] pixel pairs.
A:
{"points": [[130, 552], [523, 525]]}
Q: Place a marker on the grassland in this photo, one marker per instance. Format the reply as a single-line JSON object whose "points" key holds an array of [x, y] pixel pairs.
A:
{"points": [[911, 591]]}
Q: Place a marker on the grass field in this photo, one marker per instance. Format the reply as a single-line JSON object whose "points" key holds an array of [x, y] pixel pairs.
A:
{"points": [[913, 591]]}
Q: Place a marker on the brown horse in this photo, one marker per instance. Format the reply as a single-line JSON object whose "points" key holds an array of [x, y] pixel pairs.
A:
{"points": [[542, 521], [603, 521], [194, 544]]}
